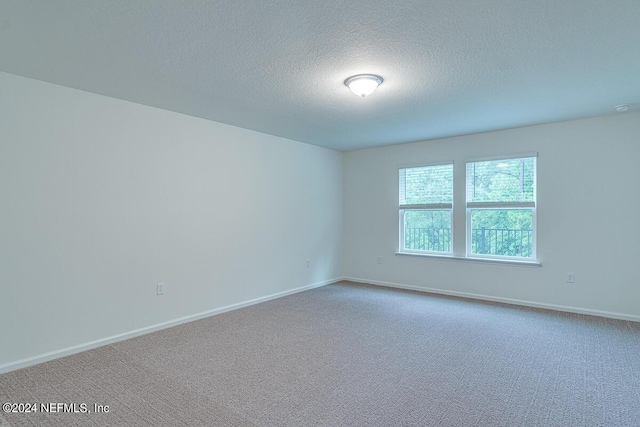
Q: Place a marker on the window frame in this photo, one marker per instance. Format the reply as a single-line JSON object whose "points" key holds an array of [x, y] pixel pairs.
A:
{"points": [[403, 208], [532, 206]]}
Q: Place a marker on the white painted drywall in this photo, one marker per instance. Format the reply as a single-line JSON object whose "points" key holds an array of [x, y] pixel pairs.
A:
{"points": [[102, 198], [588, 204]]}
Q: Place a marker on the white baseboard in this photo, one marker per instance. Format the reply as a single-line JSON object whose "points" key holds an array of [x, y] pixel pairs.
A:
{"points": [[45, 357], [565, 308]]}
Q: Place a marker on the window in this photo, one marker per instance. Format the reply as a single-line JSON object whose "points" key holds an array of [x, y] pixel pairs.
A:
{"points": [[501, 208], [426, 203]]}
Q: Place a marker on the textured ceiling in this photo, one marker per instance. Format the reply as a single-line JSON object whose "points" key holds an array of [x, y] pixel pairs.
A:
{"points": [[450, 67]]}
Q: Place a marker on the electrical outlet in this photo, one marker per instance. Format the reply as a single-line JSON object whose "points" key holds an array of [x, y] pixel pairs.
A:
{"points": [[308, 263], [379, 259], [160, 289], [571, 278]]}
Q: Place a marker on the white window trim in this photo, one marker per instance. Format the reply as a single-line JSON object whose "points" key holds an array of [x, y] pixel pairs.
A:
{"points": [[504, 205], [500, 205], [512, 156], [468, 256], [428, 206], [402, 208], [525, 262]]}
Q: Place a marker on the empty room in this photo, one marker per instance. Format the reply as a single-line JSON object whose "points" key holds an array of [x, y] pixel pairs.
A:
{"points": [[300, 213]]}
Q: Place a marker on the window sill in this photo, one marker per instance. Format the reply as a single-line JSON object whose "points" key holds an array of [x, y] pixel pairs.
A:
{"points": [[509, 262]]}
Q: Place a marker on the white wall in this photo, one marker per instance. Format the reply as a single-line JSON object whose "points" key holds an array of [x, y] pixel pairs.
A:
{"points": [[588, 207], [102, 199]]}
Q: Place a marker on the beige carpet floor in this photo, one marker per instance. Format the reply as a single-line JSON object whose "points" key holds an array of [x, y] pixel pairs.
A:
{"points": [[352, 355]]}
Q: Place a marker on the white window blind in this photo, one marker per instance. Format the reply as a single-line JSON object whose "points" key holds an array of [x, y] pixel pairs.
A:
{"points": [[426, 187], [501, 183]]}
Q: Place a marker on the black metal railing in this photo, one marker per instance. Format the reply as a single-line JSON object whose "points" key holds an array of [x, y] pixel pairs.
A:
{"points": [[502, 241], [428, 239], [484, 241]]}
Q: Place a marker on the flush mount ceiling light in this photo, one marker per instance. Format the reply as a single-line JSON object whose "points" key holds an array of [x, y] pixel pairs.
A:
{"points": [[622, 108], [363, 84]]}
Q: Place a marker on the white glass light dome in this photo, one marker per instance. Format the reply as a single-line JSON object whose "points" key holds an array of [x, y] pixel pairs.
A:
{"points": [[363, 84]]}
